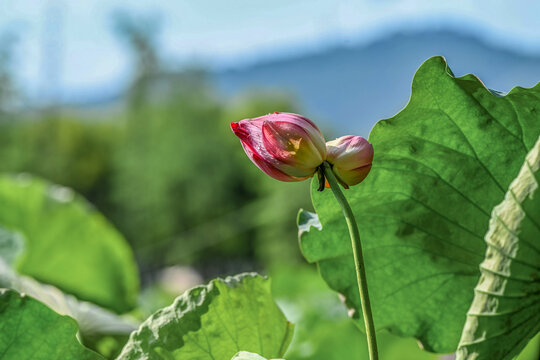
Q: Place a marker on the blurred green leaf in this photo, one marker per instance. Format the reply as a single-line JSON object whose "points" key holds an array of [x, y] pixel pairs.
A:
{"points": [[505, 312], [215, 321], [30, 330], [440, 167], [68, 243]]}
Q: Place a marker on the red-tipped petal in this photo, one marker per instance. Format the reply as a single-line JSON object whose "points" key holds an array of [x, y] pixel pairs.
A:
{"points": [[286, 146], [268, 168]]}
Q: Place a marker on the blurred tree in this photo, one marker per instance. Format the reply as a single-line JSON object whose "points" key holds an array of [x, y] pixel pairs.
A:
{"points": [[139, 33], [8, 93]]}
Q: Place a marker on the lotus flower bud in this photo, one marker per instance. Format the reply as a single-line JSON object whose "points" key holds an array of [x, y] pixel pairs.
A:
{"points": [[351, 158], [286, 146]]}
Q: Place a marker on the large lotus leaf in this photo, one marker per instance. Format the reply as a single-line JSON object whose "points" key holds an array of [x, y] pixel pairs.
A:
{"points": [[30, 330], [68, 243], [440, 167], [505, 312], [214, 322]]}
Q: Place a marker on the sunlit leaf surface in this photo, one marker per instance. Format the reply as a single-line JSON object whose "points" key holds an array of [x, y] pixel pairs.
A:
{"points": [[244, 355], [30, 330], [215, 322]]}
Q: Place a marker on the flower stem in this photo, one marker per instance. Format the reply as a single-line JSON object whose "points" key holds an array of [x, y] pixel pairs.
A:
{"points": [[358, 260]]}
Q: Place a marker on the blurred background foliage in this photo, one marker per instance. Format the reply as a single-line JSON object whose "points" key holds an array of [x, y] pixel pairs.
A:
{"points": [[165, 167]]}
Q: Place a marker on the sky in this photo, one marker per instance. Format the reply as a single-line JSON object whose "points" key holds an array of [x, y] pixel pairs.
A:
{"points": [[84, 52]]}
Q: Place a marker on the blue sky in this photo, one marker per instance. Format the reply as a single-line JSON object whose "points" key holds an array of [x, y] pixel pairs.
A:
{"points": [[234, 32]]}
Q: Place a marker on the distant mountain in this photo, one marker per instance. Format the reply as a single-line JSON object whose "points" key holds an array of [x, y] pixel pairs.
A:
{"points": [[350, 88]]}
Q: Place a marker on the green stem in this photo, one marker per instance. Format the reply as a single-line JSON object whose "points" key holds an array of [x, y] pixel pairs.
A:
{"points": [[358, 260]]}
